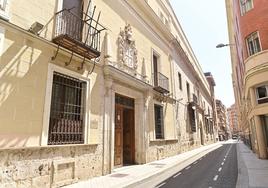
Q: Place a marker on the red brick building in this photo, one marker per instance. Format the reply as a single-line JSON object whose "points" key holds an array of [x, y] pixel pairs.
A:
{"points": [[232, 119], [248, 41]]}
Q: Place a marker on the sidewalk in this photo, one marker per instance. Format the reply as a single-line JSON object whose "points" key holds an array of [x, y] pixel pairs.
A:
{"points": [[252, 172], [131, 176]]}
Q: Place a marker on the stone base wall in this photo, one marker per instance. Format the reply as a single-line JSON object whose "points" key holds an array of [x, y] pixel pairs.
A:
{"points": [[166, 148], [189, 145], [49, 166], [161, 149]]}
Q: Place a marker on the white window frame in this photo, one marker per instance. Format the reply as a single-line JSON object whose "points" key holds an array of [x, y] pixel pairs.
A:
{"points": [[2, 38], [246, 6], [45, 129], [4, 9], [252, 37], [257, 93]]}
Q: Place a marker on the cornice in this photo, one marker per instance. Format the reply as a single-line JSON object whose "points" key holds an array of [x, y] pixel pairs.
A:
{"points": [[151, 22]]}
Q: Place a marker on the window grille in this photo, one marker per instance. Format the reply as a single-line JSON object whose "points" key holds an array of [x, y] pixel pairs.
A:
{"points": [[66, 124], [124, 101]]}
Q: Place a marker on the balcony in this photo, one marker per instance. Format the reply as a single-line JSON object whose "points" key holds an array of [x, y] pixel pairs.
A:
{"points": [[78, 35], [161, 83]]}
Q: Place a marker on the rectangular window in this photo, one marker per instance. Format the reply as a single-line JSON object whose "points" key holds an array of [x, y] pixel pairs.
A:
{"points": [[155, 69], [159, 122], [262, 94], [180, 81], [66, 123], [191, 112], [207, 125], [245, 6], [253, 43], [188, 91]]}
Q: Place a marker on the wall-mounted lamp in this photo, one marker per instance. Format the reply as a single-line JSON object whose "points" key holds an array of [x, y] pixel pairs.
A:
{"points": [[36, 27]]}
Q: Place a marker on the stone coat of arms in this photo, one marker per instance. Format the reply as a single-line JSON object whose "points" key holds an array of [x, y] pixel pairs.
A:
{"points": [[127, 52]]}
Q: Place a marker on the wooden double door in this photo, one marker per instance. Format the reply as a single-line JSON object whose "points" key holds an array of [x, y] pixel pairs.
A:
{"points": [[124, 145]]}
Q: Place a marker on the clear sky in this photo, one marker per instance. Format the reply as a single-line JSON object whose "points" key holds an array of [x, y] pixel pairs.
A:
{"points": [[205, 25]]}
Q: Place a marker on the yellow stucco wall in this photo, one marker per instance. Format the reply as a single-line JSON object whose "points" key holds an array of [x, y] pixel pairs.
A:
{"points": [[22, 89], [24, 64]]}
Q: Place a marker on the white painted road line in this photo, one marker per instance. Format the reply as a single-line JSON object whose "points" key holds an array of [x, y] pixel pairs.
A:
{"points": [[220, 169], [176, 175], [222, 163], [210, 187], [188, 167], [224, 159], [216, 177], [160, 185]]}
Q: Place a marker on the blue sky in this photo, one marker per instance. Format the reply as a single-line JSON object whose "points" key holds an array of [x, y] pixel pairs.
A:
{"points": [[205, 25]]}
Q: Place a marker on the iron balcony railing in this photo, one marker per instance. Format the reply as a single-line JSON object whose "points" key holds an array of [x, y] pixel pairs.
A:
{"points": [[161, 83], [78, 35]]}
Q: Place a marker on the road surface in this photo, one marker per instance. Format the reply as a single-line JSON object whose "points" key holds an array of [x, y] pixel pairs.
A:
{"points": [[217, 169]]}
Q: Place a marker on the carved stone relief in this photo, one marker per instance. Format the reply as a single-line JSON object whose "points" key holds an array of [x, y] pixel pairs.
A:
{"points": [[127, 52]]}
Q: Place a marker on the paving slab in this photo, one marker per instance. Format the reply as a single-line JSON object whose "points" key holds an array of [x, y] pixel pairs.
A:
{"points": [[252, 171]]}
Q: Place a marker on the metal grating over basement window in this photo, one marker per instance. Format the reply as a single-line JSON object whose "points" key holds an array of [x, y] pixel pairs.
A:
{"points": [[66, 123]]}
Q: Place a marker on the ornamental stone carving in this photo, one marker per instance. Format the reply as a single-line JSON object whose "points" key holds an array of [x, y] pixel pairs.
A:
{"points": [[127, 52]]}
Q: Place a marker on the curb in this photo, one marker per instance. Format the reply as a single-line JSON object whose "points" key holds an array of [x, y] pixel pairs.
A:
{"points": [[242, 178], [135, 184]]}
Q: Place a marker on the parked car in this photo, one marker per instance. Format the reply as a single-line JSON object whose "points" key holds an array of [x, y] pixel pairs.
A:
{"points": [[234, 137]]}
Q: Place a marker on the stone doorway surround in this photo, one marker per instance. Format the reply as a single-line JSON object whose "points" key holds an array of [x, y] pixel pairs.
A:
{"points": [[113, 87]]}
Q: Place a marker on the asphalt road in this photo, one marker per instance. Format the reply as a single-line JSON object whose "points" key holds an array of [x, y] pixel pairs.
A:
{"points": [[217, 169]]}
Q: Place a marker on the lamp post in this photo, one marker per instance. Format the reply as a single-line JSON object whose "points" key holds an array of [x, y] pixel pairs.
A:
{"points": [[221, 45]]}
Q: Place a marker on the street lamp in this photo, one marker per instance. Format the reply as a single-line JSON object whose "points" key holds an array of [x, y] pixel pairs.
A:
{"points": [[223, 45]]}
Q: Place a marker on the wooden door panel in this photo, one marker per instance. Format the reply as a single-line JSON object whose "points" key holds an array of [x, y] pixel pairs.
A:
{"points": [[128, 142], [118, 145]]}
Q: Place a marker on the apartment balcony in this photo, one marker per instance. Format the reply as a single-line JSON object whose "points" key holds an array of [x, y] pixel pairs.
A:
{"points": [[161, 83], [77, 35]]}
